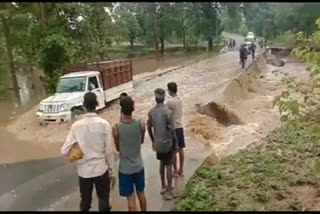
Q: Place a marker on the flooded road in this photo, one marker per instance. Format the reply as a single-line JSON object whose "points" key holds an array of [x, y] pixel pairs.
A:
{"points": [[50, 183], [52, 194], [32, 91]]}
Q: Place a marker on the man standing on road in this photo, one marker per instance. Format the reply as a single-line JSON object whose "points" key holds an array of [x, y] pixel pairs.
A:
{"points": [[161, 131], [92, 135], [253, 50], [175, 105], [128, 136], [243, 55]]}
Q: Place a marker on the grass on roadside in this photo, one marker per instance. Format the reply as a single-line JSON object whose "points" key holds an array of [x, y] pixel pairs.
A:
{"points": [[260, 177]]}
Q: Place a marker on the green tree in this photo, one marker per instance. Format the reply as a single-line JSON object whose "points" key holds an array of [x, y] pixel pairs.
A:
{"points": [[13, 25], [127, 23], [182, 19], [208, 23]]}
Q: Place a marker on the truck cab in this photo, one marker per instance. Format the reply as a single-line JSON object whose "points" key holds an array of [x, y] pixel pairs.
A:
{"points": [[107, 82], [69, 95]]}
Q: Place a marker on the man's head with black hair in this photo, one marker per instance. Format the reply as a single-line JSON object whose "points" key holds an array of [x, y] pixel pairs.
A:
{"points": [[123, 94], [173, 88], [127, 105], [160, 95], [90, 102]]}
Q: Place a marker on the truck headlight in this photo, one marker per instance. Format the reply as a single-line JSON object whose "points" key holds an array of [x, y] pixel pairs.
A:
{"points": [[64, 107], [41, 108]]}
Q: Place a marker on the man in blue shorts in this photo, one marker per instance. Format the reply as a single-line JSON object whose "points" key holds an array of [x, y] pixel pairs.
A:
{"points": [[128, 136]]}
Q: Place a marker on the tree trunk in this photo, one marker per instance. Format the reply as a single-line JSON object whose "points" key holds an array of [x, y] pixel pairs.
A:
{"points": [[210, 44], [43, 14], [162, 46], [131, 43], [6, 31], [184, 39], [155, 30]]}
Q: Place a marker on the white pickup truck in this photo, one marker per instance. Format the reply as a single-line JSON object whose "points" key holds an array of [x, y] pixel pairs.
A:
{"points": [[106, 79]]}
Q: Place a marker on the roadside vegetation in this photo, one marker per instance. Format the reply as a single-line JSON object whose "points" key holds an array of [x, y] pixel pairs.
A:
{"points": [[282, 172]]}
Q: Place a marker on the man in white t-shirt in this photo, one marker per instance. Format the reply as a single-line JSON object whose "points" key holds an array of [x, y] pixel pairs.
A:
{"points": [[175, 105], [92, 133]]}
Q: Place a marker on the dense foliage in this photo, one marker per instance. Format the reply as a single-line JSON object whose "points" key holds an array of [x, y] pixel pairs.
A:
{"points": [[51, 35]]}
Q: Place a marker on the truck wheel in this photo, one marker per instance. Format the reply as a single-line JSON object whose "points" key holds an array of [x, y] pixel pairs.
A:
{"points": [[76, 111]]}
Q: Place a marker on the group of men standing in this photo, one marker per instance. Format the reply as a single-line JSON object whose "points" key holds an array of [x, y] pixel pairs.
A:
{"points": [[92, 134], [231, 43]]}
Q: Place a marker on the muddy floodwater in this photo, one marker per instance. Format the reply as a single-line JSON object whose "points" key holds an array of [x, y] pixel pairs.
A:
{"points": [[31, 90]]}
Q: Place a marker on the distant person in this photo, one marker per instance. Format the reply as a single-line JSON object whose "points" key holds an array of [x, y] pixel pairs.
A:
{"points": [[243, 55], [234, 43], [161, 131], [261, 43], [175, 105], [92, 135], [128, 136], [253, 50], [122, 95]]}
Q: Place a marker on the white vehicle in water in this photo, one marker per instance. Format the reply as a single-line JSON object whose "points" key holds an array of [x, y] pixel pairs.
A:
{"points": [[250, 36], [106, 79]]}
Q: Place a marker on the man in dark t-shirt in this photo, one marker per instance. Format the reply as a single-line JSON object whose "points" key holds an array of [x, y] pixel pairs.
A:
{"points": [[161, 131], [243, 55]]}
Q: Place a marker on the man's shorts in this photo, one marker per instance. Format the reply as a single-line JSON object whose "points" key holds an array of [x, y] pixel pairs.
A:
{"points": [[180, 137], [127, 182], [166, 158]]}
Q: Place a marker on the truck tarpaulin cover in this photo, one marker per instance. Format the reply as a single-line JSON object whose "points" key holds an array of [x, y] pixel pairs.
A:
{"points": [[113, 73]]}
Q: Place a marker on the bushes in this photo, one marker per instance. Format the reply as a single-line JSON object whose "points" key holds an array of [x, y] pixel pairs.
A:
{"points": [[286, 39], [256, 177]]}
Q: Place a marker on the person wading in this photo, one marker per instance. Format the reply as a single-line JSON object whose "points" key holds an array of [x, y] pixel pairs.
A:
{"points": [[128, 136], [175, 105], [92, 135], [243, 55], [161, 131]]}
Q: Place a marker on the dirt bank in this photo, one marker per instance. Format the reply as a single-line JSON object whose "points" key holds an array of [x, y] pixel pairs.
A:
{"points": [[278, 175]]}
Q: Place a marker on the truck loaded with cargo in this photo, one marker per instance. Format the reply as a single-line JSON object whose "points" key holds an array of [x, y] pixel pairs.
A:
{"points": [[106, 79]]}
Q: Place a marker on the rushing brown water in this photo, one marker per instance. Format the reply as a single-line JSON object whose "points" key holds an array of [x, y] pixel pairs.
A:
{"points": [[32, 91]]}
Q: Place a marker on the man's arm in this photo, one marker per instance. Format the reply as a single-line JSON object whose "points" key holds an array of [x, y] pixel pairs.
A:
{"points": [[143, 130], [115, 135], [169, 105], [68, 143], [150, 131], [171, 127], [108, 147]]}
